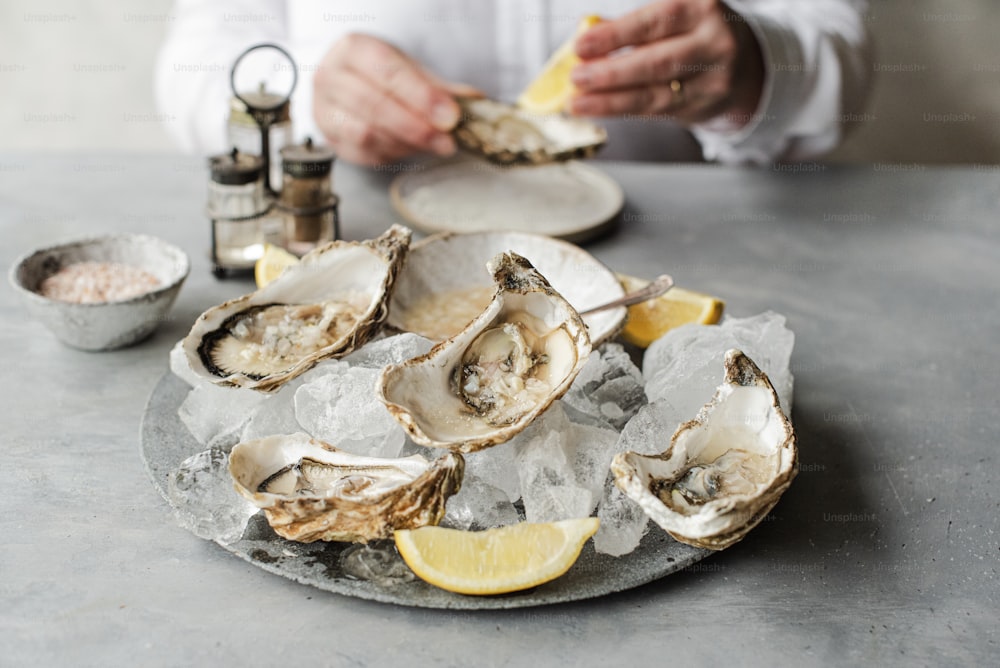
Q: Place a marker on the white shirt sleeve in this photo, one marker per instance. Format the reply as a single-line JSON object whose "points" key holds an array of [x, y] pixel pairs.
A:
{"points": [[192, 71], [816, 58], [817, 72]]}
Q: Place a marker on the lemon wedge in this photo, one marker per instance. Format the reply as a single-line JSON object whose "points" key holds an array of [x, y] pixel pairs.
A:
{"points": [[652, 319], [495, 561], [271, 264], [551, 90]]}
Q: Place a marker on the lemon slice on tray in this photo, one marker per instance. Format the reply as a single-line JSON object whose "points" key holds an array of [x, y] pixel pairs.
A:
{"points": [[551, 90], [496, 561], [652, 319], [271, 264]]}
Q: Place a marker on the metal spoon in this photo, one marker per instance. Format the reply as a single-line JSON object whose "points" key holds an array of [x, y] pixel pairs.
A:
{"points": [[656, 288]]}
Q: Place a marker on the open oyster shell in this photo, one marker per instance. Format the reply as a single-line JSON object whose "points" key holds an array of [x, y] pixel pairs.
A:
{"points": [[445, 285], [489, 381], [724, 470], [508, 135], [326, 306], [311, 491]]}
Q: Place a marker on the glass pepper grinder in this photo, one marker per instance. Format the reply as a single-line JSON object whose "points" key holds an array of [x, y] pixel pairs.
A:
{"points": [[240, 210], [263, 79], [308, 203]]}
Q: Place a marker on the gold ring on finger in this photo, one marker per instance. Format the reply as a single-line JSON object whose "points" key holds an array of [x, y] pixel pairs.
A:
{"points": [[677, 91]]}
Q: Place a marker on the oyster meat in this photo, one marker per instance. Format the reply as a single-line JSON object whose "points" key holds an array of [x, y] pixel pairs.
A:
{"points": [[489, 381], [327, 306], [724, 470], [311, 491], [508, 135]]}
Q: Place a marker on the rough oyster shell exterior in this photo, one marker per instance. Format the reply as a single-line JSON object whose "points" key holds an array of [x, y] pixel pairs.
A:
{"points": [[367, 268], [508, 135], [355, 498], [724, 470], [426, 397]]}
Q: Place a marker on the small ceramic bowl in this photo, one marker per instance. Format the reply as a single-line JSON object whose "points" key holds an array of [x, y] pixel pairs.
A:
{"points": [[111, 324]]}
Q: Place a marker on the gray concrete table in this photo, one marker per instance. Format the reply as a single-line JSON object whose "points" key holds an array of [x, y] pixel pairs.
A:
{"points": [[885, 548]]}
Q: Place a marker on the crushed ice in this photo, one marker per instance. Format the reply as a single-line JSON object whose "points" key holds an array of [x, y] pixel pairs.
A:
{"points": [[555, 469]]}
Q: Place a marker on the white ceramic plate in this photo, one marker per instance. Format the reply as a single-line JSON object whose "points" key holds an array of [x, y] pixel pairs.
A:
{"points": [[569, 200]]}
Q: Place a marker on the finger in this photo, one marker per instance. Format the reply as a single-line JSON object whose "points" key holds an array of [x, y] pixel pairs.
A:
{"points": [[456, 89], [400, 77], [385, 112], [359, 141], [655, 99], [649, 64], [649, 23]]}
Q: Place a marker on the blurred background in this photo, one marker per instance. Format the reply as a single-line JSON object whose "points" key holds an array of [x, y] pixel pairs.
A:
{"points": [[76, 76]]}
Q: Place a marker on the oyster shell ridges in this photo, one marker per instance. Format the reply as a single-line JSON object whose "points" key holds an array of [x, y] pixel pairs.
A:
{"points": [[467, 393], [348, 502], [507, 135], [369, 268]]}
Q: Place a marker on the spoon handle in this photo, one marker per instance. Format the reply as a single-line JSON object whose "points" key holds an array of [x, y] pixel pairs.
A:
{"points": [[654, 289]]}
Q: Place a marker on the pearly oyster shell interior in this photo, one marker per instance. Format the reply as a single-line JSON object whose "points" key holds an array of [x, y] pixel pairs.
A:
{"points": [[445, 284], [508, 135], [311, 491], [488, 382], [326, 306], [724, 470]]}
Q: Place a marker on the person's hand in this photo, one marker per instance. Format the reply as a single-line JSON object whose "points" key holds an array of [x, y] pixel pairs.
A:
{"points": [[693, 60], [376, 105]]}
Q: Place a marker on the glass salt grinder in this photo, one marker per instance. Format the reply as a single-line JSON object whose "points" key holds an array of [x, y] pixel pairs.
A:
{"points": [[239, 209], [308, 203], [244, 134], [257, 73]]}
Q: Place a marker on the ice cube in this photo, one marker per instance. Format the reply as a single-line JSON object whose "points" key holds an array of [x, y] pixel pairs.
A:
{"points": [[562, 466], [623, 523], [215, 415], [377, 562], [685, 365], [179, 366], [274, 415], [205, 503], [649, 432], [608, 390], [496, 466], [479, 505], [340, 407]]}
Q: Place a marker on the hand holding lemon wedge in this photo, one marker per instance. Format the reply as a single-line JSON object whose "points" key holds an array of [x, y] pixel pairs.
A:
{"points": [[552, 89]]}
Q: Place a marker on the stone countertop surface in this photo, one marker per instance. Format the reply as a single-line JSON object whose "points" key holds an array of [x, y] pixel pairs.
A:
{"points": [[885, 549]]}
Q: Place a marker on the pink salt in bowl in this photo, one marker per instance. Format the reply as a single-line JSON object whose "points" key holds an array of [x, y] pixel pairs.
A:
{"points": [[121, 319]]}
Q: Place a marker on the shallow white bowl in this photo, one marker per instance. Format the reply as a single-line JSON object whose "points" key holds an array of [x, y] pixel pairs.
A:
{"points": [[447, 262], [103, 325]]}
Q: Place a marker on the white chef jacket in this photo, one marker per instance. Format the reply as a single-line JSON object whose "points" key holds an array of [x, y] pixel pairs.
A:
{"points": [[816, 56]]}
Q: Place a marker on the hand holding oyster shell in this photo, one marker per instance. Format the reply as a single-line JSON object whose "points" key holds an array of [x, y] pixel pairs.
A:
{"points": [[374, 104]]}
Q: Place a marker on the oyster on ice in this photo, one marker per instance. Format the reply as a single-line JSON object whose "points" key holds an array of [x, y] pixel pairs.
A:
{"points": [[488, 382], [311, 491], [508, 135], [326, 306], [724, 470]]}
